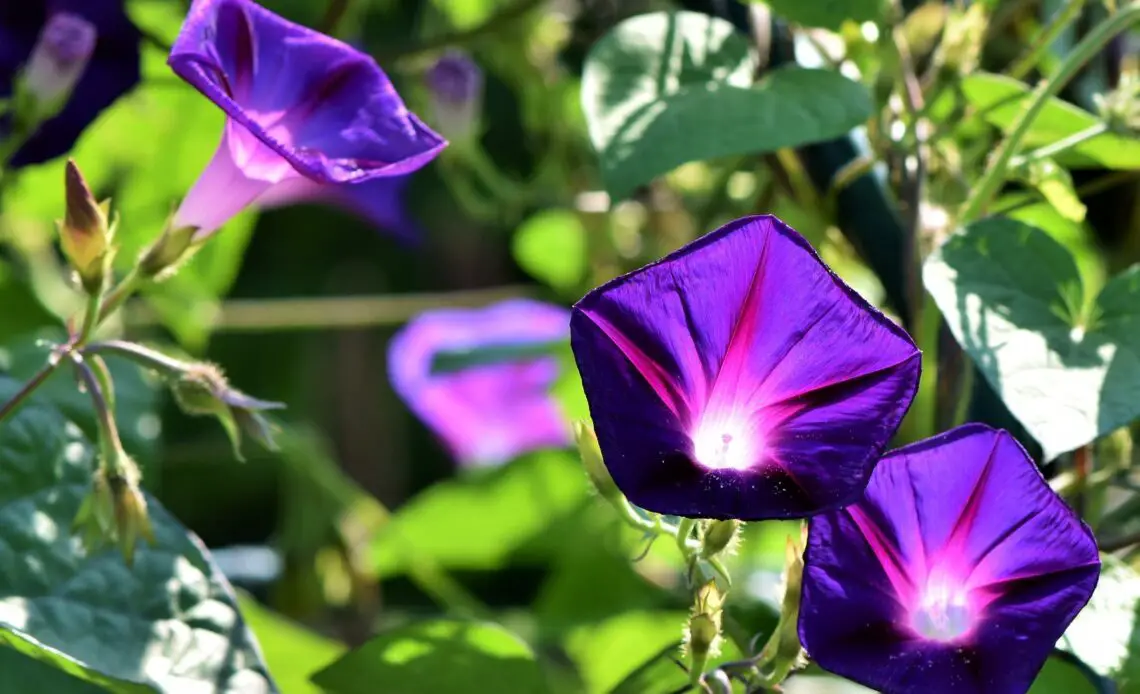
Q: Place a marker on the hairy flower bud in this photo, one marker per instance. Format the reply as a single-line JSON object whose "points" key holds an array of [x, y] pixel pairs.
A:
{"points": [[85, 234], [202, 389], [592, 461], [719, 535], [57, 62], [702, 634], [115, 510], [456, 86]]}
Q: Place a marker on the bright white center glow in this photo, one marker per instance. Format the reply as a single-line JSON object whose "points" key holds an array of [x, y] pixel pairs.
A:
{"points": [[724, 445], [944, 612]]}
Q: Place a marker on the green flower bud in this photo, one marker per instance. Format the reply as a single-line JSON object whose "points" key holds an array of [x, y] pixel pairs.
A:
{"points": [[719, 536], [702, 634], [172, 248], [115, 510], [85, 233], [202, 389]]}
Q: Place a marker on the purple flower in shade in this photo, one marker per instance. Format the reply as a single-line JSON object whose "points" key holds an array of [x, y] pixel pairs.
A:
{"points": [[43, 35], [309, 118], [486, 413], [957, 572], [740, 378], [455, 83]]}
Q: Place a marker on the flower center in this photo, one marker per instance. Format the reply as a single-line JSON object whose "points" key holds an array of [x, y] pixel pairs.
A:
{"points": [[944, 613], [723, 445]]}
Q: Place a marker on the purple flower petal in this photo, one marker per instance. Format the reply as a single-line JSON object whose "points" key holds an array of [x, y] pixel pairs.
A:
{"points": [[300, 104], [957, 572], [740, 378], [487, 414], [112, 71]]}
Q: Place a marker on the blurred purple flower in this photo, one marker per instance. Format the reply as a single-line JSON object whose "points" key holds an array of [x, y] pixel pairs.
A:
{"points": [[957, 572], [486, 413], [112, 68], [740, 378], [455, 83], [309, 117]]}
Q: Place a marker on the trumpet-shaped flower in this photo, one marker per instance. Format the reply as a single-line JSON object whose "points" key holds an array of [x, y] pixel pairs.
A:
{"points": [[309, 118], [958, 571], [740, 378], [50, 42], [490, 410]]}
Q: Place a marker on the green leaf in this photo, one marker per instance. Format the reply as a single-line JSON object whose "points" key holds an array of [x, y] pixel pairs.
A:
{"points": [[1065, 674], [23, 312], [170, 623], [1065, 363], [667, 88], [437, 656], [662, 673], [828, 14], [1001, 99], [1106, 633], [23, 674], [551, 246], [292, 652], [607, 652], [481, 520]]}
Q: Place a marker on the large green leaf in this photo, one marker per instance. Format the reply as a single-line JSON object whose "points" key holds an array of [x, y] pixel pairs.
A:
{"points": [[1063, 673], [437, 656], [829, 14], [551, 246], [1065, 363], [23, 674], [170, 623], [609, 651], [667, 88], [480, 520], [292, 652], [1001, 99], [1106, 634]]}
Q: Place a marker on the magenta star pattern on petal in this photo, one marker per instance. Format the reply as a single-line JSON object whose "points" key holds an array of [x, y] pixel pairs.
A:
{"points": [[740, 378], [309, 117], [486, 413], [957, 572]]}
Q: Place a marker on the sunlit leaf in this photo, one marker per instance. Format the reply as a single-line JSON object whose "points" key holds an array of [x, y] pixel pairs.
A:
{"points": [[292, 652], [828, 14], [1066, 362], [480, 520], [437, 656], [1106, 634], [169, 623], [1001, 99], [667, 88]]}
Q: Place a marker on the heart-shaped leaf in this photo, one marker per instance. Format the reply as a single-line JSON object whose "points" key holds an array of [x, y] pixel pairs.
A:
{"points": [[1066, 364], [170, 623], [667, 88]]}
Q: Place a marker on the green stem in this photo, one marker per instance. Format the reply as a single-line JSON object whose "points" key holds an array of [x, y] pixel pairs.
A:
{"points": [[1083, 52], [1062, 145], [9, 408], [119, 295], [148, 358], [1068, 14], [98, 383], [90, 318]]}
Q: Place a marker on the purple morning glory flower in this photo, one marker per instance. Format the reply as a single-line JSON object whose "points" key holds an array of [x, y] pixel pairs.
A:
{"points": [[740, 378], [112, 67], [957, 572], [486, 413], [309, 117]]}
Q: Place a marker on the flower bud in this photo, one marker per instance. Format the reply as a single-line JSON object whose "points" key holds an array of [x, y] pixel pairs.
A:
{"points": [[592, 460], [115, 510], [174, 246], [702, 634], [456, 86], [719, 535], [784, 652], [202, 389], [85, 234], [57, 62]]}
